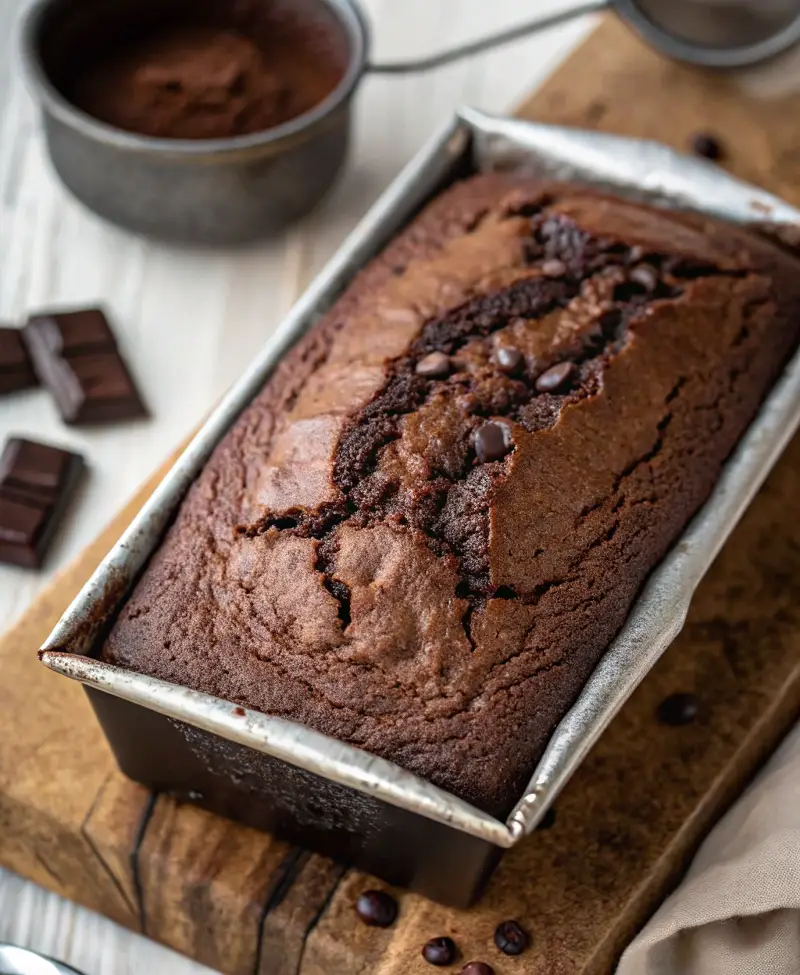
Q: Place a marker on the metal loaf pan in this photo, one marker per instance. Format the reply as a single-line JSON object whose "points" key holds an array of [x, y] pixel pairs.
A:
{"points": [[274, 774]]}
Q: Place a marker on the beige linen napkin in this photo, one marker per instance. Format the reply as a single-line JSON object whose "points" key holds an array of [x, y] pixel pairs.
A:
{"points": [[737, 911]]}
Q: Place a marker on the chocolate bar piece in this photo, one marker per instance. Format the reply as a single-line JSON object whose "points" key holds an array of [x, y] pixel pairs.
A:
{"points": [[16, 371], [75, 355], [36, 481]]}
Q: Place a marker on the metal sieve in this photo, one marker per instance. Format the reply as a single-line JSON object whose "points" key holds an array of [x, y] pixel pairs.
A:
{"points": [[720, 34]]}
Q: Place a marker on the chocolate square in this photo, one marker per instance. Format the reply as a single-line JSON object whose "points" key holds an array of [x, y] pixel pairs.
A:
{"points": [[32, 468], [74, 333], [36, 482], [16, 370], [21, 529], [75, 355]]}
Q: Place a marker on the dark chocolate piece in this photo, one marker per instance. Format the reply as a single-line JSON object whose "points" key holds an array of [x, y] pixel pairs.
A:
{"points": [[510, 938], [376, 908], [16, 371], [75, 355], [706, 145], [477, 968], [434, 366], [678, 709], [22, 526], [508, 359], [440, 951], [554, 377], [492, 442], [36, 482]]}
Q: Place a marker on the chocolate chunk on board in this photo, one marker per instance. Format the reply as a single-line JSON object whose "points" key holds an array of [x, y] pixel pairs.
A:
{"points": [[16, 370], [36, 483], [75, 355]]}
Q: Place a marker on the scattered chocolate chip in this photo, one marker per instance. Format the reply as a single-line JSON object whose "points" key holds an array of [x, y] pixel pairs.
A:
{"points": [[510, 938], [548, 821], [706, 145], [434, 366], [477, 968], [16, 371], [508, 359], [440, 951], [555, 377], [678, 709], [553, 268], [646, 276], [492, 442], [635, 254], [36, 483], [376, 908], [75, 356]]}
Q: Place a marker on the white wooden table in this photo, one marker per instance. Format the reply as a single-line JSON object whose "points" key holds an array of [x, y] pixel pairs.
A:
{"points": [[190, 321]]}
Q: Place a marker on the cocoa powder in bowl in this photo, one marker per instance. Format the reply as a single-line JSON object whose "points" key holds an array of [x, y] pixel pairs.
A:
{"points": [[217, 71]]}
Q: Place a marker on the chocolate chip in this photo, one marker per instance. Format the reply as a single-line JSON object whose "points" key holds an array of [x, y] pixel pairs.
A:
{"points": [[508, 359], [646, 276], [477, 968], [678, 709], [554, 377], [440, 951], [553, 268], [433, 366], [492, 442], [636, 253], [706, 145], [376, 908], [510, 938], [548, 821]]}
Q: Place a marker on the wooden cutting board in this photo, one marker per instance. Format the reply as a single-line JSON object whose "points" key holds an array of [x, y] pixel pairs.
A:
{"points": [[243, 902]]}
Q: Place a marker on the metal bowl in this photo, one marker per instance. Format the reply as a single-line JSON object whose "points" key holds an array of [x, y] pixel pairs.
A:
{"points": [[198, 191]]}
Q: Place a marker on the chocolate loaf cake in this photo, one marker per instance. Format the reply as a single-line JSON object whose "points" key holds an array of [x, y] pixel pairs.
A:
{"points": [[426, 529]]}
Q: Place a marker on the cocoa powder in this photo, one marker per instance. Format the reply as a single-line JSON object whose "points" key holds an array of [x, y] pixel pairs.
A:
{"points": [[205, 81]]}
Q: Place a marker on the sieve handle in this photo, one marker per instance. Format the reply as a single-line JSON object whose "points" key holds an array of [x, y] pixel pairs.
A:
{"points": [[485, 43]]}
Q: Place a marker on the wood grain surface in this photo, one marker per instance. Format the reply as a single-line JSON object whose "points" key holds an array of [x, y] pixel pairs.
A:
{"points": [[242, 902]]}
